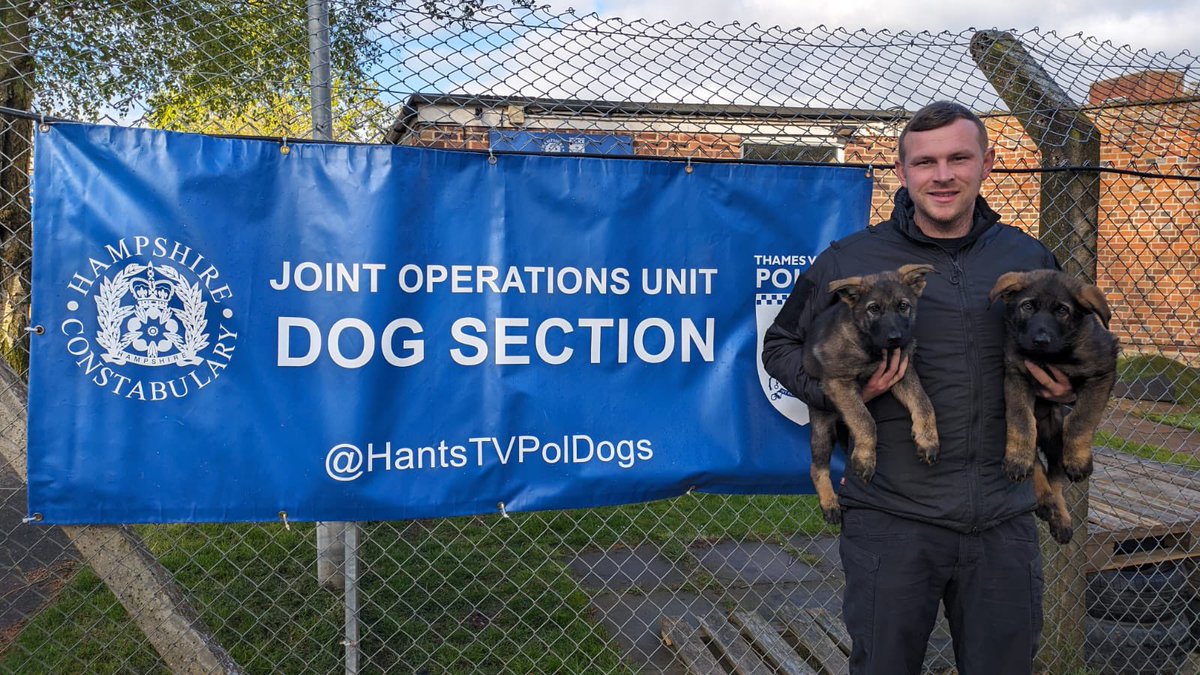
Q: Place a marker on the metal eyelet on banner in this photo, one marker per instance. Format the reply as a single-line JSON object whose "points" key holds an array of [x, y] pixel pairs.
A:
{"points": [[688, 168], [36, 330], [491, 157], [285, 149], [503, 512], [35, 518], [283, 517], [44, 127], [870, 171]]}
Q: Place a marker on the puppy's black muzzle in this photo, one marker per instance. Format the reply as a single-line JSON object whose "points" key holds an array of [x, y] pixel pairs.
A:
{"points": [[892, 333], [1041, 336]]}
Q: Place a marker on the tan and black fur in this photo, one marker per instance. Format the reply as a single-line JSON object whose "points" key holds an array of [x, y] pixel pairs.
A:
{"points": [[1054, 319], [847, 343]]}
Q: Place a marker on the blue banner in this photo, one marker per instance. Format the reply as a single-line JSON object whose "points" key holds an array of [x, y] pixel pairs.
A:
{"points": [[237, 328]]}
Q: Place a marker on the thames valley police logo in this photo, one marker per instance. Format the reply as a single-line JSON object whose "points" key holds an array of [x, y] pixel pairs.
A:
{"points": [[161, 327], [774, 277]]}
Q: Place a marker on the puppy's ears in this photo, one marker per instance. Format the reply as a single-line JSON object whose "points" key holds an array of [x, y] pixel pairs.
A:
{"points": [[914, 276], [1092, 299], [847, 290], [1007, 284]]}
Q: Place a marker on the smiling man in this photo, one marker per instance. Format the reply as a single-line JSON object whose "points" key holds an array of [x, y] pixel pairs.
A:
{"points": [[959, 532]]}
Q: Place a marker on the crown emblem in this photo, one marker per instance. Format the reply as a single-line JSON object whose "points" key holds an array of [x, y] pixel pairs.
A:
{"points": [[151, 293]]}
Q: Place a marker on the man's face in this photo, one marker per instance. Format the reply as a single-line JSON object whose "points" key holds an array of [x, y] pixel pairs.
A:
{"points": [[943, 169]]}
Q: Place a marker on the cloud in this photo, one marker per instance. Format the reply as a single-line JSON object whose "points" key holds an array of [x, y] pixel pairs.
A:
{"points": [[567, 56], [1156, 25]]}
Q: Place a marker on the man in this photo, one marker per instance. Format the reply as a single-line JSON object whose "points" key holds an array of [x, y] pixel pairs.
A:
{"points": [[957, 532]]}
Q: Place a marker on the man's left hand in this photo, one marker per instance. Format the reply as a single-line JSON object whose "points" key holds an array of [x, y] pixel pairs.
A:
{"points": [[1056, 387]]}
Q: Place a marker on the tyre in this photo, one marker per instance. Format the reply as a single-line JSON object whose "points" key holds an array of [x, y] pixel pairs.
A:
{"points": [[1120, 648], [1144, 594]]}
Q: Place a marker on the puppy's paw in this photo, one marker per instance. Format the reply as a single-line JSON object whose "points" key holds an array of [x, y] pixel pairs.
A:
{"points": [[833, 516], [1017, 470], [1077, 471], [1061, 531], [863, 465], [925, 437], [1045, 512]]}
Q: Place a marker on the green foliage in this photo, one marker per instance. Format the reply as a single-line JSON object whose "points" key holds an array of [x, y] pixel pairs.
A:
{"points": [[86, 631], [1152, 452], [486, 594], [95, 56], [1185, 381], [1182, 420], [357, 115]]}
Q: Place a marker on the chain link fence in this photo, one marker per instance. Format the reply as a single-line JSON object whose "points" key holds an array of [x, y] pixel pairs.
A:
{"points": [[588, 590]]}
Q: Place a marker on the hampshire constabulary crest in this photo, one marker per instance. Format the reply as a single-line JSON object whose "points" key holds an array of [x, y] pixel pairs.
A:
{"points": [[150, 315], [766, 307], [164, 326]]}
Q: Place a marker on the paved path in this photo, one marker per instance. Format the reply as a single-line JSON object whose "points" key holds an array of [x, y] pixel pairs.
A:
{"points": [[632, 589], [1126, 421], [35, 561]]}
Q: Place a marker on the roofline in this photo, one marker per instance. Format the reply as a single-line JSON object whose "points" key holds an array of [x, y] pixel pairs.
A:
{"points": [[629, 108]]}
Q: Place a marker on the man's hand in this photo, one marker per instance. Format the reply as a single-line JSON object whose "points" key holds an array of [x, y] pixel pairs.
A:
{"points": [[889, 372], [1055, 385]]}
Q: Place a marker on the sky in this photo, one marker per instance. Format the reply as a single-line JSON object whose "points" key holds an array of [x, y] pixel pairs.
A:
{"points": [[1170, 26]]}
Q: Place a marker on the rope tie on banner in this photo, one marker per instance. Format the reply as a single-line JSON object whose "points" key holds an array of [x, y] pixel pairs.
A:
{"points": [[35, 518], [36, 330], [283, 517], [691, 490], [503, 511], [284, 149], [491, 156], [44, 127], [688, 168]]}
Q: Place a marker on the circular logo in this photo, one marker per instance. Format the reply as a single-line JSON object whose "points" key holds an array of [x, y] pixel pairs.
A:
{"points": [[160, 329]]}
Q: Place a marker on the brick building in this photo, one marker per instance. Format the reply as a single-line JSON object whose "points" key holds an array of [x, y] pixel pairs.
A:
{"points": [[1149, 230]]}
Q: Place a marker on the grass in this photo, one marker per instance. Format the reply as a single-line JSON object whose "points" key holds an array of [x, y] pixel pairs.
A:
{"points": [[1151, 452], [1189, 420], [1185, 386], [485, 594], [1185, 381]]}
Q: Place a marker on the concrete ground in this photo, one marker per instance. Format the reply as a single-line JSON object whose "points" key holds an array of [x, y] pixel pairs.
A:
{"points": [[35, 561], [633, 589]]}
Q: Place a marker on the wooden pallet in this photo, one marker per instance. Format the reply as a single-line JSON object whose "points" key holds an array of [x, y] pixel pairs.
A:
{"points": [[808, 642], [1140, 512]]}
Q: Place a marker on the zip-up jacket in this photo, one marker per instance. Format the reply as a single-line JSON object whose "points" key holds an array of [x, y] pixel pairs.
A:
{"points": [[959, 359]]}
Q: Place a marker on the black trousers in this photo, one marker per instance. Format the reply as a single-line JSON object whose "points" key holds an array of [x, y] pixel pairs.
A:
{"points": [[898, 570]]}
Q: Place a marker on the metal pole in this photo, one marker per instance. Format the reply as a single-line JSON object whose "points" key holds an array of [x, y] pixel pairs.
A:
{"points": [[320, 80], [352, 599], [1070, 207], [330, 536]]}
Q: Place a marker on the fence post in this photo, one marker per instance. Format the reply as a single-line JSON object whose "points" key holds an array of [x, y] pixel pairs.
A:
{"points": [[1069, 215], [331, 548], [16, 233], [118, 556]]}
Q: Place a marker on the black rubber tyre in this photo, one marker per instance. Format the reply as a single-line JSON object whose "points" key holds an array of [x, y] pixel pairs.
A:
{"points": [[1145, 594], [1119, 648]]}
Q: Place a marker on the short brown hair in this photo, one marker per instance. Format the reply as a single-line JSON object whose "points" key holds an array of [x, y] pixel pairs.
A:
{"points": [[939, 114]]}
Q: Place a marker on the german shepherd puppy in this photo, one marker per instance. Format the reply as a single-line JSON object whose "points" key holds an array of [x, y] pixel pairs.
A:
{"points": [[849, 340], [1054, 319]]}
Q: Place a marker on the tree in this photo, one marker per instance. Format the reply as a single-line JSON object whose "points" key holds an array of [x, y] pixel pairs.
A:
{"points": [[357, 114], [231, 66], [16, 91]]}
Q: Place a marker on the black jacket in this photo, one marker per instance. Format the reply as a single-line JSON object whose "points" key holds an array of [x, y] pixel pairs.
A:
{"points": [[959, 358]]}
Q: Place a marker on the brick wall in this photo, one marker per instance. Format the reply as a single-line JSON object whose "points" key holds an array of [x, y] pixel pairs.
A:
{"points": [[1148, 239], [1148, 258]]}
